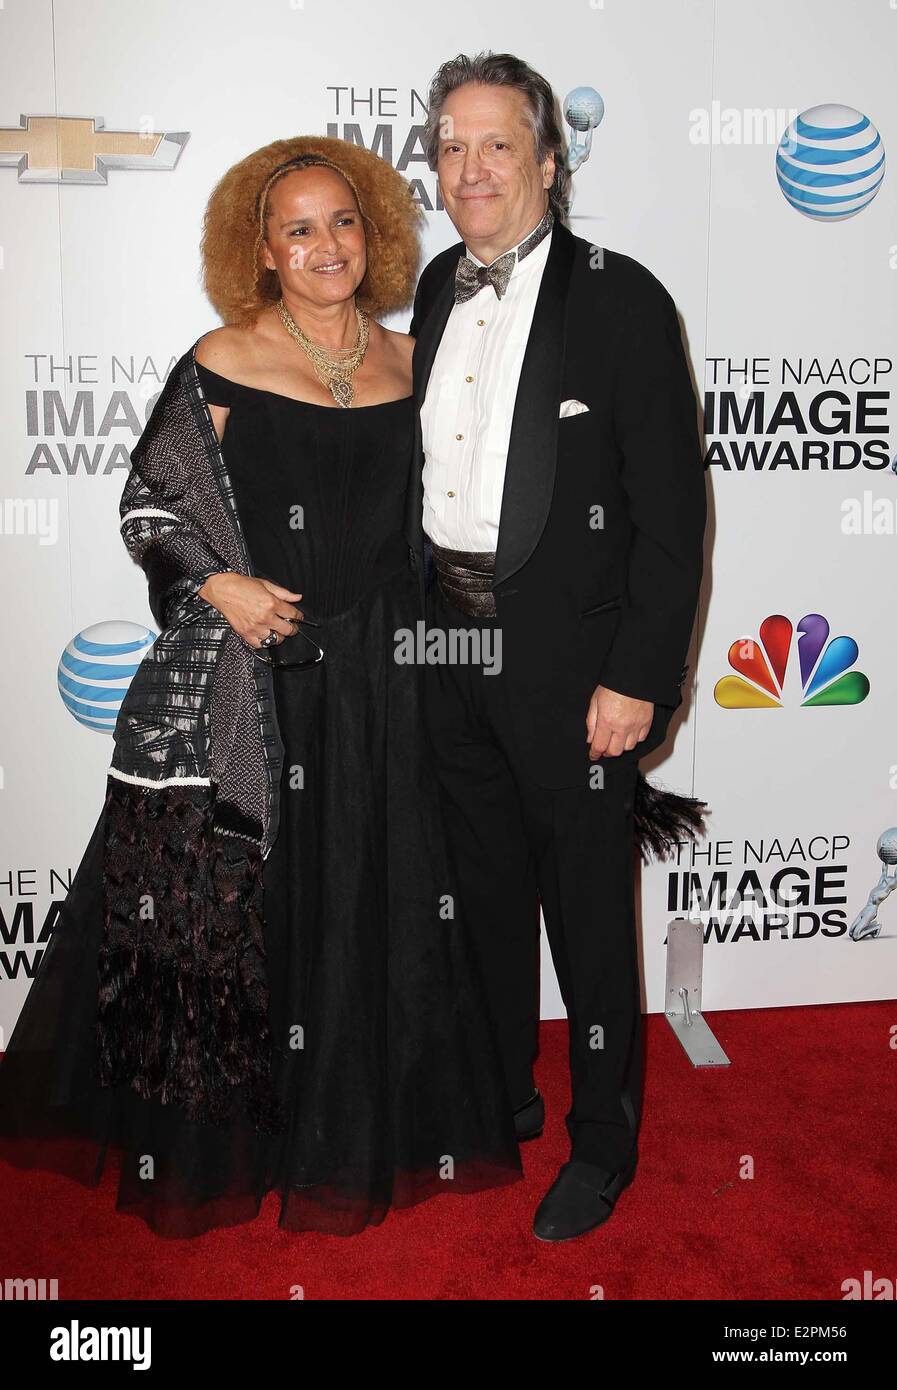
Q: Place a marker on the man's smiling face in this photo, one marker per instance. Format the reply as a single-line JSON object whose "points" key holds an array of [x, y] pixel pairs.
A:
{"points": [[492, 186]]}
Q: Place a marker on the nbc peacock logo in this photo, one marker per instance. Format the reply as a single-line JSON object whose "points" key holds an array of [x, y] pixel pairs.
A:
{"points": [[823, 666]]}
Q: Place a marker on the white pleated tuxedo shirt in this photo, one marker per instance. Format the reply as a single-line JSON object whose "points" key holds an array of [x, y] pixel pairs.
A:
{"points": [[467, 412]]}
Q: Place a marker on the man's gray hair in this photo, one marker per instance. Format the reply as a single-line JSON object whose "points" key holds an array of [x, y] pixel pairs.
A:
{"points": [[541, 105]]}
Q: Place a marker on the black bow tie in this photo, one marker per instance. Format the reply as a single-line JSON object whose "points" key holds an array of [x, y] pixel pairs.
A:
{"points": [[470, 277]]}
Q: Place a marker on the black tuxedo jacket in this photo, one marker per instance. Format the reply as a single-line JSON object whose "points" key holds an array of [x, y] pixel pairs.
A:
{"points": [[599, 556]]}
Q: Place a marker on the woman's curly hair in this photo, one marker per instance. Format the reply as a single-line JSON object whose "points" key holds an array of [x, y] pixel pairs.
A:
{"points": [[236, 279]]}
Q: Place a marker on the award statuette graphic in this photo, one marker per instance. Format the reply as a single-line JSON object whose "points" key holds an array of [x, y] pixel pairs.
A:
{"points": [[583, 112], [867, 923]]}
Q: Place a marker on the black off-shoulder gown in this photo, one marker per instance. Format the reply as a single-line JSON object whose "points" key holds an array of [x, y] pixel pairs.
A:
{"points": [[383, 1052]]}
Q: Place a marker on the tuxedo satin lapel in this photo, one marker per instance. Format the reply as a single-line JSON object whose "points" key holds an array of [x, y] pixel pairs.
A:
{"points": [[532, 448], [426, 343]]}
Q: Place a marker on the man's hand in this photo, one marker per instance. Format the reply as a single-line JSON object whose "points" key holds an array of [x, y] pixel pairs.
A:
{"points": [[615, 723]]}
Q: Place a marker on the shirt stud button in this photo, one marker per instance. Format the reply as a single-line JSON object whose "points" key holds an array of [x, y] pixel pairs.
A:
{"points": [[468, 378], [480, 323], [449, 494], [459, 436]]}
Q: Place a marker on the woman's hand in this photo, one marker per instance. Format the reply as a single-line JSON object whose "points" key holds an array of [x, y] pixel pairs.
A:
{"points": [[253, 606]]}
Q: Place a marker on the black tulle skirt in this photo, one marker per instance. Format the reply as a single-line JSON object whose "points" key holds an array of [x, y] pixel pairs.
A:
{"points": [[383, 1057]]}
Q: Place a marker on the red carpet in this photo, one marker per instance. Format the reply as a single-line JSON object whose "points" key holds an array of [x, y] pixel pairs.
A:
{"points": [[809, 1097]]}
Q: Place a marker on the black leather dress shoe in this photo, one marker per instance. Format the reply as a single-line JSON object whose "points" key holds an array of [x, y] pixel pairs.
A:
{"points": [[581, 1198], [529, 1119]]}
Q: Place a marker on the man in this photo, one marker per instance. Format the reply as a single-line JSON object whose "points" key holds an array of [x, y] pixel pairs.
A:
{"points": [[559, 488]]}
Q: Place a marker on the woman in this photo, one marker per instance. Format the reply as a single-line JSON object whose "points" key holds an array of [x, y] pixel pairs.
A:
{"points": [[284, 997]]}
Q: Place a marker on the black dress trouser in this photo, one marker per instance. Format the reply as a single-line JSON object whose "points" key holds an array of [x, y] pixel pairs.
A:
{"points": [[515, 843]]}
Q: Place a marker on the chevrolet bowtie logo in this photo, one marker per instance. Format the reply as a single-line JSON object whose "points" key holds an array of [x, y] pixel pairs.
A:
{"points": [[79, 149]]}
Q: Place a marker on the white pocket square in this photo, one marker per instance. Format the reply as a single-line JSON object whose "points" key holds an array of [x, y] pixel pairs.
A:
{"points": [[571, 408]]}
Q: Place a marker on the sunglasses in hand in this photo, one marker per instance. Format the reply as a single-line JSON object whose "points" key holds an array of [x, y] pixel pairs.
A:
{"points": [[288, 654]]}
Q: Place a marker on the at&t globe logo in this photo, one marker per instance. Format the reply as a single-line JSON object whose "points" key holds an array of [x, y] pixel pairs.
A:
{"points": [[830, 163], [96, 669]]}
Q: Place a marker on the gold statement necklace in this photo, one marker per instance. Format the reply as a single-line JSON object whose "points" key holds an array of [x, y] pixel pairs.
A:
{"points": [[334, 367]]}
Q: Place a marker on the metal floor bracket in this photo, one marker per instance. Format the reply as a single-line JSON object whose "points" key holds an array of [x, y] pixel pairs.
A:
{"points": [[685, 964]]}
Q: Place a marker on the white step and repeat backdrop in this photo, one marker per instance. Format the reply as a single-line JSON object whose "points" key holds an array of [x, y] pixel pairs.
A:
{"points": [[740, 154]]}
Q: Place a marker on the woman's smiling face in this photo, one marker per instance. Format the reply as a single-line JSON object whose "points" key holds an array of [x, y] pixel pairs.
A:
{"points": [[314, 237]]}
